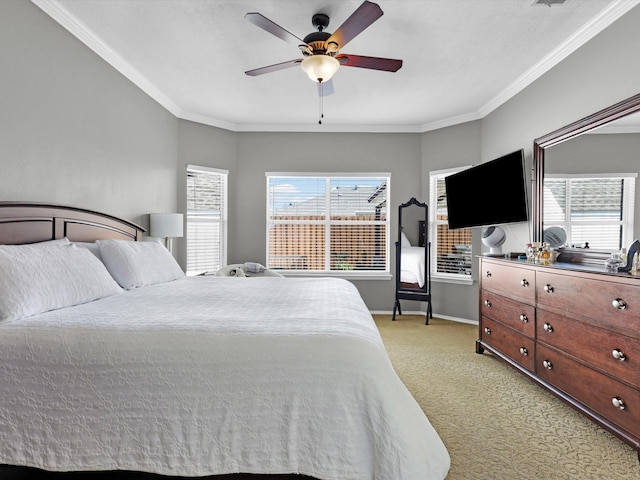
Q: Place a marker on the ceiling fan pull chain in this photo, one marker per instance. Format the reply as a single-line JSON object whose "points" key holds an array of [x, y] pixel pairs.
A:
{"points": [[321, 114]]}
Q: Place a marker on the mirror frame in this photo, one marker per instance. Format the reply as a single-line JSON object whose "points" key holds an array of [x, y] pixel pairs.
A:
{"points": [[598, 119]]}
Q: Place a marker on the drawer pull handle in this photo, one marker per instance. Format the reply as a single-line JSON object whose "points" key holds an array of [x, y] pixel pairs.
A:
{"points": [[524, 318], [487, 303], [548, 288], [547, 327], [524, 351], [524, 282], [547, 364], [487, 330], [618, 355], [618, 403], [619, 304], [487, 274]]}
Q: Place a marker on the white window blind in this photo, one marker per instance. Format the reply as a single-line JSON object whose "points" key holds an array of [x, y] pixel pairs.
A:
{"points": [[320, 223], [597, 210], [206, 219], [450, 249]]}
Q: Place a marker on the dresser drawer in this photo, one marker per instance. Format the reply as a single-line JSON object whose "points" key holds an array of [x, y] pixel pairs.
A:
{"points": [[511, 281], [509, 342], [610, 352], [607, 302], [516, 315], [610, 399]]}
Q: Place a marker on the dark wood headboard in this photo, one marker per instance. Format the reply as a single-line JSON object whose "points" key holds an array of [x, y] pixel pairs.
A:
{"points": [[26, 222]]}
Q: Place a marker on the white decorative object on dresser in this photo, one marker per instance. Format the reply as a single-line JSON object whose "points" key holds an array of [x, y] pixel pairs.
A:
{"points": [[571, 329]]}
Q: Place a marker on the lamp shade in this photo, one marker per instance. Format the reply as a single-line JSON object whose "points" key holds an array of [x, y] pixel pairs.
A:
{"points": [[320, 68], [165, 225]]}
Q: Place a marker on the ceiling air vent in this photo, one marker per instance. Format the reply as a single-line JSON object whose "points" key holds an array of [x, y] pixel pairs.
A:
{"points": [[548, 3]]}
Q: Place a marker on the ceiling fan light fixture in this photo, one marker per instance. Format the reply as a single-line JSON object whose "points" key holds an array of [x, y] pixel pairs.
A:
{"points": [[320, 68]]}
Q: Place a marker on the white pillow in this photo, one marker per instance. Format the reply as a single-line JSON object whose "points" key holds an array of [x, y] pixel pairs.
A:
{"points": [[38, 278], [91, 246], [404, 241], [136, 264]]}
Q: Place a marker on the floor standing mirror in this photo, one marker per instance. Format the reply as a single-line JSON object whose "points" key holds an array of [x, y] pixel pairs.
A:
{"points": [[413, 272]]}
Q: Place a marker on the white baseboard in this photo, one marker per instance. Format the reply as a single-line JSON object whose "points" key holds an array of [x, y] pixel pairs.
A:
{"points": [[444, 317]]}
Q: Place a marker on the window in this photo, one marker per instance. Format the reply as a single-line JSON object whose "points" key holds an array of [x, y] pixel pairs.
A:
{"points": [[206, 219], [450, 249], [320, 223], [593, 209]]}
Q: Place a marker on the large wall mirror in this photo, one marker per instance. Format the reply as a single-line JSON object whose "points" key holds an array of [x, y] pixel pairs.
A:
{"points": [[605, 143]]}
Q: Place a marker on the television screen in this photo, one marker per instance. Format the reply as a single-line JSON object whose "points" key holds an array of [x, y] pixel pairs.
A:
{"points": [[492, 193]]}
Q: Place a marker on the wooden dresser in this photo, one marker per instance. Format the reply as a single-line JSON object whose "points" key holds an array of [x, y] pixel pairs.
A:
{"points": [[574, 331]]}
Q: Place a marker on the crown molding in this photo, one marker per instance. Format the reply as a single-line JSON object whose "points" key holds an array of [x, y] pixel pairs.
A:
{"points": [[206, 120], [78, 29], [298, 127], [601, 21], [327, 127], [61, 15], [449, 122]]}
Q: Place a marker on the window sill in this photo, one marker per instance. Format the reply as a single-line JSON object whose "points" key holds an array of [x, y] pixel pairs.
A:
{"points": [[345, 275], [455, 279]]}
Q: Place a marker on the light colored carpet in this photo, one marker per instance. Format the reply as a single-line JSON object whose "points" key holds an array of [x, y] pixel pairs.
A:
{"points": [[496, 423]]}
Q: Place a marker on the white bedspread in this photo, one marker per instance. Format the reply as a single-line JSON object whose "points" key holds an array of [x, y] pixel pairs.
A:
{"points": [[412, 265], [213, 375]]}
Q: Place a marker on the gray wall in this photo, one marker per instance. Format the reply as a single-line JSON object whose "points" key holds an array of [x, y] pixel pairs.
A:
{"points": [[206, 147], [73, 130], [597, 75], [451, 147], [314, 152]]}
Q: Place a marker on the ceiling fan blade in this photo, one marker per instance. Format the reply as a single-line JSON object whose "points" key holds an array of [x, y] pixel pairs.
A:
{"points": [[373, 63], [325, 88], [263, 22], [365, 15], [273, 68]]}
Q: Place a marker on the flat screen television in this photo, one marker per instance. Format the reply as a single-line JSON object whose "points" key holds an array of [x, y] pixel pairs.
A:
{"points": [[492, 193]]}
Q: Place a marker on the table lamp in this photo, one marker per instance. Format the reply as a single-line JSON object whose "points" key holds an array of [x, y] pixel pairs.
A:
{"points": [[167, 226]]}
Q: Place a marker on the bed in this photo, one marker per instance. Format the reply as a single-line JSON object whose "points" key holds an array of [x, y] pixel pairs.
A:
{"points": [[189, 376]]}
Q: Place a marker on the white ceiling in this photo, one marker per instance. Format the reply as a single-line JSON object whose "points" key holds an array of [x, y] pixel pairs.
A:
{"points": [[462, 58]]}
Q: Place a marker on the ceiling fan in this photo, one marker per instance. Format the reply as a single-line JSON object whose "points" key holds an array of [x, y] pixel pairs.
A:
{"points": [[320, 50]]}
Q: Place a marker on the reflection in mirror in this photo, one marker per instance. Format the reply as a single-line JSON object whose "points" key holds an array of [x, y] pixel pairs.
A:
{"points": [[586, 180], [589, 189], [412, 261]]}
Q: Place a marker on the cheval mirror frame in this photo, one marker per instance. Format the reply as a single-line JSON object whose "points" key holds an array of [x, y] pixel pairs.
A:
{"points": [[598, 119], [414, 291]]}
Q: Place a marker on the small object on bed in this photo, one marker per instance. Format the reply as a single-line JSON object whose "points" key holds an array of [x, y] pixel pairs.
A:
{"points": [[253, 267], [241, 270]]}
